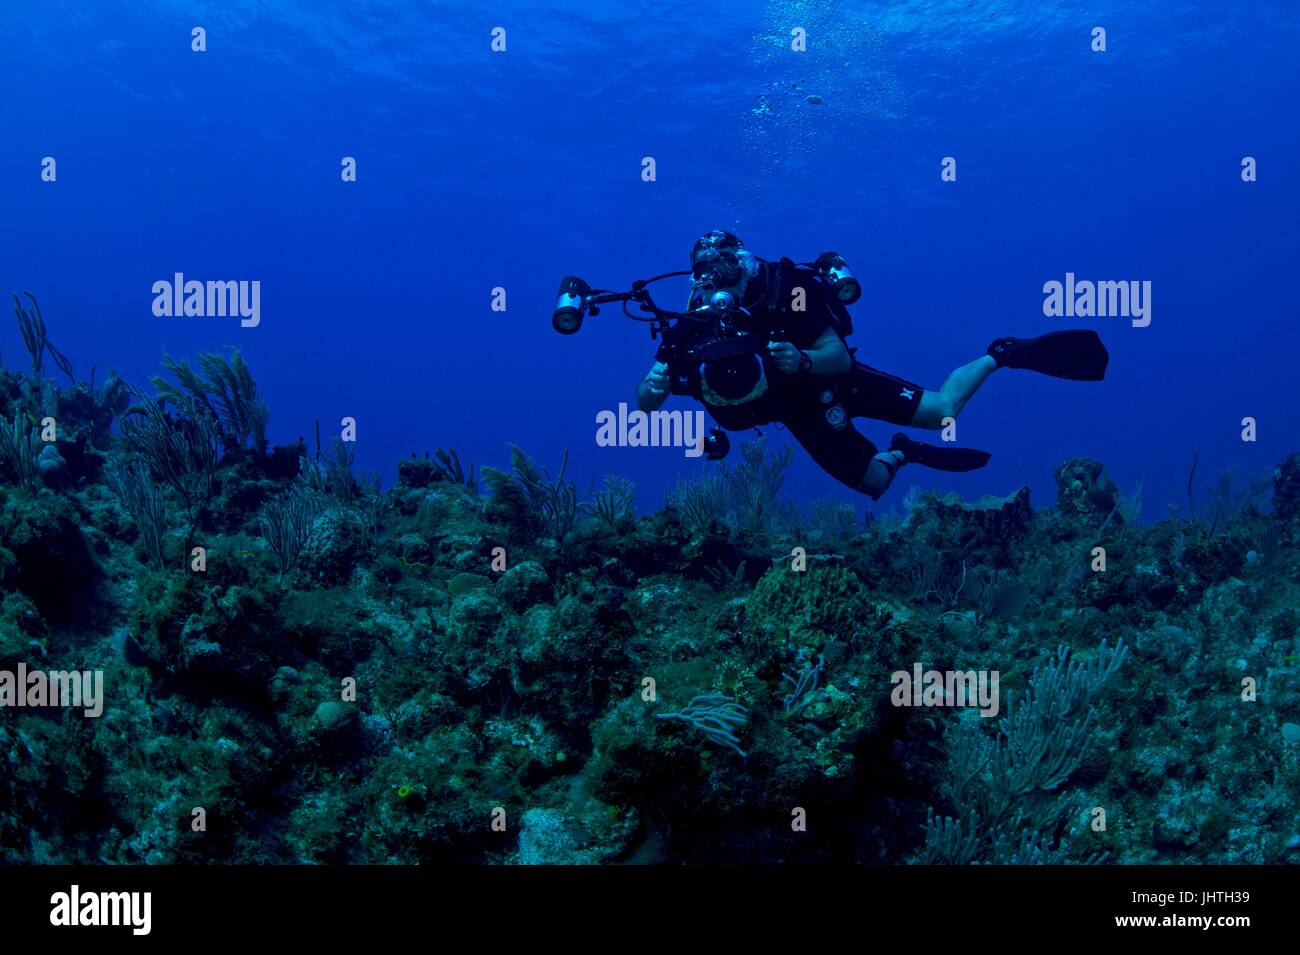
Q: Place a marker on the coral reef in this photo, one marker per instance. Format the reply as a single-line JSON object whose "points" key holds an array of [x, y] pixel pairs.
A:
{"points": [[338, 673]]}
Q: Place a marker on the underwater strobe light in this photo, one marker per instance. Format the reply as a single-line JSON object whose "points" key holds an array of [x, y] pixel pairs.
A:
{"points": [[570, 305], [832, 267]]}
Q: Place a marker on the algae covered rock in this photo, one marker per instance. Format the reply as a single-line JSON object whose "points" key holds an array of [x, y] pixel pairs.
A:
{"points": [[476, 638], [51, 466], [417, 472], [1002, 517], [809, 608], [463, 583], [413, 549], [282, 684], [1211, 559], [8, 569], [632, 764], [556, 837], [959, 526], [334, 625], [525, 585], [332, 716], [1286, 488], [565, 658], [1231, 608], [55, 567], [337, 546], [1084, 490], [184, 628], [475, 615], [977, 532], [22, 630], [448, 510], [462, 552]]}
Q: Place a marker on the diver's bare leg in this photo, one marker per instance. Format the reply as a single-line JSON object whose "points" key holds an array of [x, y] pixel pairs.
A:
{"points": [[880, 474], [948, 401]]}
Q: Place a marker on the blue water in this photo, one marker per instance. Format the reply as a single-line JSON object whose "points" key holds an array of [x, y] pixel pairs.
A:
{"points": [[479, 169]]}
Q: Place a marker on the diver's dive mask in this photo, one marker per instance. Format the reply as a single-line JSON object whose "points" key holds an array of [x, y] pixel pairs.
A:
{"points": [[715, 260], [716, 269]]}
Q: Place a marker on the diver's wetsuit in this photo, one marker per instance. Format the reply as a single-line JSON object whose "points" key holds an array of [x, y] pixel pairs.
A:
{"points": [[815, 408]]}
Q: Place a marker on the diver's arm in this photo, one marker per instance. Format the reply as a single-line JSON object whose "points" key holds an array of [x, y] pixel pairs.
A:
{"points": [[828, 355], [653, 390]]}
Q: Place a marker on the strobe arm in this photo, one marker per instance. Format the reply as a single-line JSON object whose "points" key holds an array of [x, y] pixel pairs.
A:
{"points": [[575, 298]]}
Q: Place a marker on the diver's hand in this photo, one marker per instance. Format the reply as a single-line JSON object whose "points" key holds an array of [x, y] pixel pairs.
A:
{"points": [[785, 357], [656, 382], [653, 390]]}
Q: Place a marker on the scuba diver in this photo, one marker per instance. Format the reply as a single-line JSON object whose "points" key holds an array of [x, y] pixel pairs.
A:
{"points": [[764, 342]]}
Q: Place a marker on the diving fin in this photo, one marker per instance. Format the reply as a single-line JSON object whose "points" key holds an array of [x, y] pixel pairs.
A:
{"points": [[1076, 354], [939, 458]]}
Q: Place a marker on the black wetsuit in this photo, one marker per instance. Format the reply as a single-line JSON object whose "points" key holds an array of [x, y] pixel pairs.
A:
{"points": [[817, 409]]}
